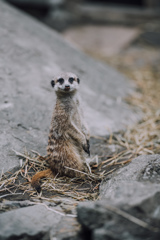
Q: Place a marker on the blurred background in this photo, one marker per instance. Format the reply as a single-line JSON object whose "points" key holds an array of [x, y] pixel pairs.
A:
{"points": [[61, 14], [102, 28], [123, 33]]}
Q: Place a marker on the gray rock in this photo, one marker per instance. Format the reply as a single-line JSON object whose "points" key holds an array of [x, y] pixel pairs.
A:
{"points": [[29, 222], [133, 183], [130, 205], [10, 205], [35, 222], [106, 220], [30, 55]]}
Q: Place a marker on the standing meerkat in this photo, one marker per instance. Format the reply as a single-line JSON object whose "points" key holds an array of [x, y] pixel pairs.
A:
{"points": [[68, 140]]}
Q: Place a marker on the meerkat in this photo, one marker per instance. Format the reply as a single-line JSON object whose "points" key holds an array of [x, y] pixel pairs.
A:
{"points": [[68, 141]]}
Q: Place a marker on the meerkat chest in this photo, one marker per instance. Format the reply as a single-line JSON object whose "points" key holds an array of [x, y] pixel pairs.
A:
{"points": [[76, 113]]}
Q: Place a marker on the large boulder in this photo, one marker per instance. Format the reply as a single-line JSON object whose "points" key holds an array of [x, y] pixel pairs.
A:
{"points": [[129, 206], [36, 222], [133, 183]]}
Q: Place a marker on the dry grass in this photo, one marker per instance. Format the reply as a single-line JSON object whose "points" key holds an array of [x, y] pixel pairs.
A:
{"points": [[143, 137], [16, 184]]}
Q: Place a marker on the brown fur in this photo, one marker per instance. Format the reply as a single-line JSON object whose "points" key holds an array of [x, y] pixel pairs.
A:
{"points": [[37, 177], [68, 138]]}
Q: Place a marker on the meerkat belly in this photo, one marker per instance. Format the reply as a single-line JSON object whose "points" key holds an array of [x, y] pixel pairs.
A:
{"points": [[62, 156]]}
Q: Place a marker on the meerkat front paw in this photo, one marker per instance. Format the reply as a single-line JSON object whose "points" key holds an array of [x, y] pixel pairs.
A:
{"points": [[86, 147]]}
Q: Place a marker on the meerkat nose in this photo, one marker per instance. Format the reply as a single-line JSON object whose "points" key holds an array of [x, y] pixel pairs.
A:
{"points": [[67, 87]]}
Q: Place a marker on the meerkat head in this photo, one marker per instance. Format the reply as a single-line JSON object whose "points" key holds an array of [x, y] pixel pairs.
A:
{"points": [[65, 83]]}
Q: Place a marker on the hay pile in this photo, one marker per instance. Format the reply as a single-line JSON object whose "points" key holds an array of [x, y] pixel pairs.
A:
{"points": [[18, 182]]}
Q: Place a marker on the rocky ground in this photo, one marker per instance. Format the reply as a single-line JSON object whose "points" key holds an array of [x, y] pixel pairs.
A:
{"points": [[127, 188]]}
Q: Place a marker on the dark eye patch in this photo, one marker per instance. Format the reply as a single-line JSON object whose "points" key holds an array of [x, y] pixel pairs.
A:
{"points": [[78, 80], [60, 80], [52, 83], [71, 80]]}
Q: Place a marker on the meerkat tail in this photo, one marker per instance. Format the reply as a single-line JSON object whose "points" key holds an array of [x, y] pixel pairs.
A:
{"points": [[37, 177]]}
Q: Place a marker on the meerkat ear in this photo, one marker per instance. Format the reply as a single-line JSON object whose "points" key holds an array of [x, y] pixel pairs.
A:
{"points": [[52, 83], [78, 80]]}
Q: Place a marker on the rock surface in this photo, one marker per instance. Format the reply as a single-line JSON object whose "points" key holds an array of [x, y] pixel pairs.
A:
{"points": [[30, 55], [139, 179], [129, 206], [105, 220], [35, 222]]}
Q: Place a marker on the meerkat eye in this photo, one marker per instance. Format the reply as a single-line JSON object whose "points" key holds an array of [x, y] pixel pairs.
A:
{"points": [[78, 80], [52, 83], [60, 80], [71, 80]]}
